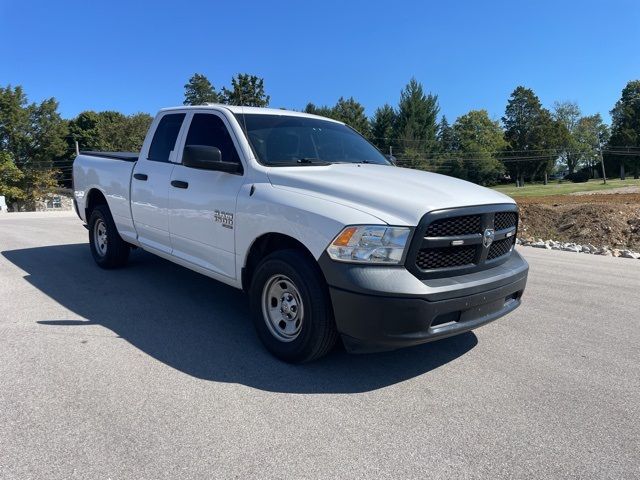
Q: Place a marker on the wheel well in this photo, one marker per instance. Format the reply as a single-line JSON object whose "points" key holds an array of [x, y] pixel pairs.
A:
{"points": [[94, 198], [265, 245]]}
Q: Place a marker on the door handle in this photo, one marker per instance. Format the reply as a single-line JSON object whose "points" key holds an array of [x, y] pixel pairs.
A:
{"points": [[179, 184], [140, 176]]}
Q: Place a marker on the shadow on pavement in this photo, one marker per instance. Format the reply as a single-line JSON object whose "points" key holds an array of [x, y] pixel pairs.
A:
{"points": [[202, 327]]}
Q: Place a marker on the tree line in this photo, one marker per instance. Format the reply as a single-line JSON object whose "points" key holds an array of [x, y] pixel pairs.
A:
{"points": [[37, 145]]}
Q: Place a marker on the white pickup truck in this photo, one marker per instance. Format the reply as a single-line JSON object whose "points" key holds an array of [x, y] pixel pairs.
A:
{"points": [[327, 236]]}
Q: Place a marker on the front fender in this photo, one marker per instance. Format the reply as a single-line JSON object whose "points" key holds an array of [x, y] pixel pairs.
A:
{"points": [[312, 221]]}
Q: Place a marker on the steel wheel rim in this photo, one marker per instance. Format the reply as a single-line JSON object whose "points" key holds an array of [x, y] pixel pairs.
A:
{"points": [[100, 237], [282, 308]]}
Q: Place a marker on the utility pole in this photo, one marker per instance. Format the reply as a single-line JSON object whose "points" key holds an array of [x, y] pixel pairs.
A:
{"points": [[77, 148], [604, 175]]}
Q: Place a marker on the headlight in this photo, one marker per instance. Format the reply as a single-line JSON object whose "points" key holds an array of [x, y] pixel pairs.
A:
{"points": [[370, 244]]}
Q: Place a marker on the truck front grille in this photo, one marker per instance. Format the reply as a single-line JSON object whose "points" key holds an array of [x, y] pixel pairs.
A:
{"points": [[451, 227], [464, 240], [505, 220], [447, 257], [500, 248]]}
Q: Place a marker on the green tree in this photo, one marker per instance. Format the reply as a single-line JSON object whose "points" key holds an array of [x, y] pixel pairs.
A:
{"points": [[568, 115], [625, 129], [478, 141], [84, 129], [48, 143], [445, 138], [109, 130], [32, 139], [352, 113], [531, 134], [247, 90], [199, 90], [591, 135], [382, 127], [323, 111], [416, 125], [14, 122], [11, 178], [104, 131]]}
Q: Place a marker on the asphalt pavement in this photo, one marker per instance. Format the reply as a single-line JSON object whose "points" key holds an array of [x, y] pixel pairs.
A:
{"points": [[154, 371]]}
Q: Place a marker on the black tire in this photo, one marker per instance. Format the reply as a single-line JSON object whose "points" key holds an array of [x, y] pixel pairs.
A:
{"points": [[116, 251], [317, 333]]}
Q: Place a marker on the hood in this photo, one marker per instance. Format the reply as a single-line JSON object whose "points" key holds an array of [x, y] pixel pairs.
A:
{"points": [[397, 196]]}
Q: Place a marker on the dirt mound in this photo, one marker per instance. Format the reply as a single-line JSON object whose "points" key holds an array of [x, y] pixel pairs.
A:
{"points": [[608, 198], [613, 224]]}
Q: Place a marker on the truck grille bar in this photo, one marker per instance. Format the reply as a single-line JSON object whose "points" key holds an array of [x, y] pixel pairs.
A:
{"points": [[462, 240]]}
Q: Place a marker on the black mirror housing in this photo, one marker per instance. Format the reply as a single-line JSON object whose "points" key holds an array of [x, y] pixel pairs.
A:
{"points": [[206, 157]]}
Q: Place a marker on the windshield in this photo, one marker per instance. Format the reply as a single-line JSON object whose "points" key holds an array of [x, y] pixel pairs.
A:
{"points": [[282, 140]]}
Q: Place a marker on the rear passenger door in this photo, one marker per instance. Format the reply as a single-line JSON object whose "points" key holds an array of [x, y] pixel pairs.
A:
{"points": [[202, 203], [150, 184]]}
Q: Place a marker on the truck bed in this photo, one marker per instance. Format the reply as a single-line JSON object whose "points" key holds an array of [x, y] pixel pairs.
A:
{"points": [[125, 156]]}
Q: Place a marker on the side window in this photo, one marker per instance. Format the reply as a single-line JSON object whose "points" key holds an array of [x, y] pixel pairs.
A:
{"points": [[164, 140], [210, 130]]}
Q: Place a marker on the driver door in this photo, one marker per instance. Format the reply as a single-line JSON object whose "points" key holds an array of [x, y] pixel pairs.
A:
{"points": [[202, 203]]}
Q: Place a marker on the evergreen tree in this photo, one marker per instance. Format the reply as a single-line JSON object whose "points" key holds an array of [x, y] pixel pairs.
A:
{"points": [[382, 127], [352, 113], [247, 90], [416, 125], [198, 91], [445, 137], [531, 134], [322, 111]]}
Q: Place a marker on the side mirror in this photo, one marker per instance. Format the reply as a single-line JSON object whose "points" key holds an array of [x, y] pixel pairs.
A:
{"points": [[206, 157], [391, 158]]}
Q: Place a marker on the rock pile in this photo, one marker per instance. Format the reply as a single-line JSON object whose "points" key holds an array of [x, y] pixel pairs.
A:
{"points": [[578, 248]]}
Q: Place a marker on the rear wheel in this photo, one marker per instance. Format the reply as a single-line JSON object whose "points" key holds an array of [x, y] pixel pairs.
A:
{"points": [[107, 247], [290, 307]]}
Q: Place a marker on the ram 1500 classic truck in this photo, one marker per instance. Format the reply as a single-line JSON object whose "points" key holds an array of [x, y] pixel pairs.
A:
{"points": [[328, 238]]}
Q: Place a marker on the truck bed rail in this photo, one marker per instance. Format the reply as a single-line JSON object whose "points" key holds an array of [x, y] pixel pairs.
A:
{"points": [[126, 156]]}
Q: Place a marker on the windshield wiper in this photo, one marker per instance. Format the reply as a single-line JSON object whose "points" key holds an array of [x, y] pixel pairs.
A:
{"points": [[296, 162], [312, 161]]}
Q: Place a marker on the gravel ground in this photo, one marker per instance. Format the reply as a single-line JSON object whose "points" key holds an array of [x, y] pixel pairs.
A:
{"points": [[154, 372]]}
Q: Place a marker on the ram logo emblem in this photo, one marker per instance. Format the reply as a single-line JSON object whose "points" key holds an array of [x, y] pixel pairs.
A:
{"points": [[487, 237]]}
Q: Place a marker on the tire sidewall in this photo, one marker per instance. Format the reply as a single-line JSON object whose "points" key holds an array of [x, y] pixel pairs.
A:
{"points": [[117, 251], [311, 293], [95, 216]]}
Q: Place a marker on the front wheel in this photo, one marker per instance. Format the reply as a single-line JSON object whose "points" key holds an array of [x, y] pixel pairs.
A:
{"points": [[107, 247], [290, 307]]}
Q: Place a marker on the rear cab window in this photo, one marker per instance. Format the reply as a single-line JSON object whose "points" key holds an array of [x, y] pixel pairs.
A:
{"points": [[165, 136]]}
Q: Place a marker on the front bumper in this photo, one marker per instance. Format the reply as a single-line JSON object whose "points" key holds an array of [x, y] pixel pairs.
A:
{"points": [[384, 308]]}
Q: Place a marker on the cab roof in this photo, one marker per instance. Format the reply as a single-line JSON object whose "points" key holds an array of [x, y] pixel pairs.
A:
{"points": [[235, 109]]}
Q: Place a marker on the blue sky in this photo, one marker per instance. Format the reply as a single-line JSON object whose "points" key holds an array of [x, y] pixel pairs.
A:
{"points": [[136, 56]]}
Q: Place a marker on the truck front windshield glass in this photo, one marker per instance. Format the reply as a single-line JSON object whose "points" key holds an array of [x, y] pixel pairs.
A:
{"points": [[282, 140]]}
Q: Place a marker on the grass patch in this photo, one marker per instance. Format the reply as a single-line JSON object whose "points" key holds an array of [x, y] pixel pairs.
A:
{"points": [[563, 188]]}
